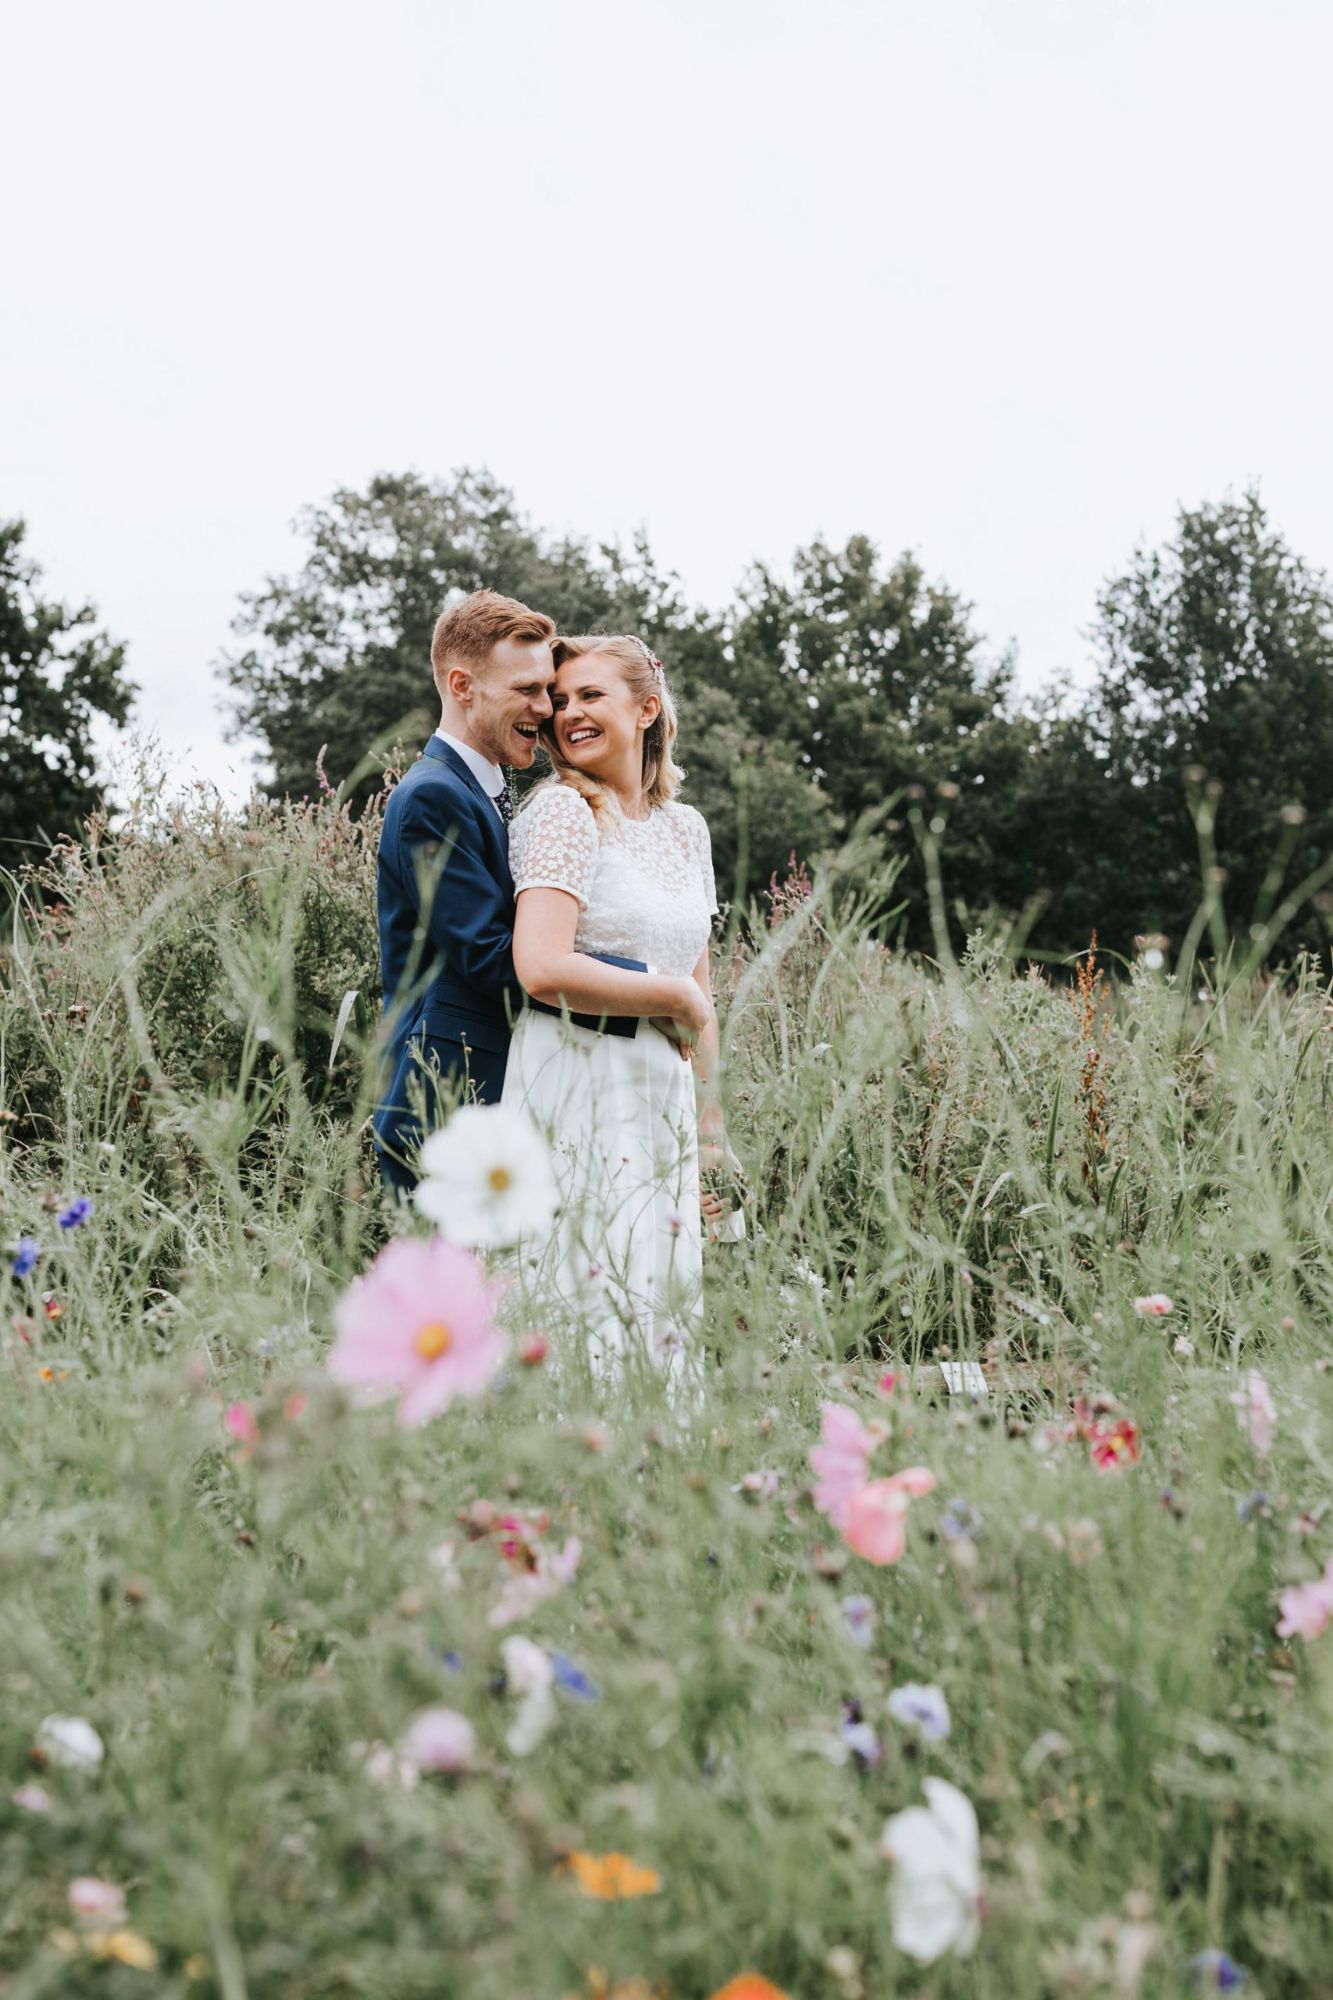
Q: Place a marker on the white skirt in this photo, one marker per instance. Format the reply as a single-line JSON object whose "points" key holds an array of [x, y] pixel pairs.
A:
{"points": [[624, 1258]]}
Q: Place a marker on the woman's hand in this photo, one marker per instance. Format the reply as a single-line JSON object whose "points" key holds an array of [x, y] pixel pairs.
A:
{"points": [[688, 1017]]}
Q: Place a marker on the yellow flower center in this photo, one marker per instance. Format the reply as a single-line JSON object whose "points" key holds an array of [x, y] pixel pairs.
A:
{"points": [[500, 1178], [433, 1340]]}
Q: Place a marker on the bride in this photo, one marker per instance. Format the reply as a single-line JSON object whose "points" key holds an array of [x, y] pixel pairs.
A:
{"points": [[605, 859]]}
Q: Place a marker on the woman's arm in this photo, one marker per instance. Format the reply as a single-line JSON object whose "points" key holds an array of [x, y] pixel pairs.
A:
{"points": [[550, 969], [707, 1061]]}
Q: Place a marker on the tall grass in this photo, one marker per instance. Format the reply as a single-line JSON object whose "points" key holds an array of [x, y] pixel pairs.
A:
{"points": [[974, 1160]]}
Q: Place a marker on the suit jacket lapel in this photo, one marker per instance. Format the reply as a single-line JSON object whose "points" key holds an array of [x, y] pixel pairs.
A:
{"points": [[445, 754]]}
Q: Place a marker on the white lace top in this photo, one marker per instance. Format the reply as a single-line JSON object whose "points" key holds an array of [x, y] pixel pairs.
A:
{"points": [[644, 887]]}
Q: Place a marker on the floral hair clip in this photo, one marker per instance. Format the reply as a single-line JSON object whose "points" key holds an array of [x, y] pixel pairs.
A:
{"points": [[650, 656]]}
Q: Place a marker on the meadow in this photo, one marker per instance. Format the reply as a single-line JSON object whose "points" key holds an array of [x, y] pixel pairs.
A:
{"points": [[575, 1690]]}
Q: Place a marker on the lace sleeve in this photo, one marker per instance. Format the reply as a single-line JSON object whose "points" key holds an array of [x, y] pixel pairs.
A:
{"points": [[553, 844]]}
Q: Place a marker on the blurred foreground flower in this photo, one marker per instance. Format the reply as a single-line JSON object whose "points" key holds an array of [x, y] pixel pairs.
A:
{"points": [[70, 1743], [1156, 1306], [876, 1525], [529, 1674], [78, 1212], [921, 1708], [26, 1253], [1111, 1447], [1256, 1412], [418, 1321], [439, 1741], [1216, 1973], [94, 1901], [1307, 1607], [486, 1178], [536, 1571], [31, 1798], [610, 1878], [841, 1463], [936, 1893], [749, 1986]]}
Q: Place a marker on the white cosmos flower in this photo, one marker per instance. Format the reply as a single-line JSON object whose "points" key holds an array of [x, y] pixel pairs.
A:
{"points": [[529, 1673], [921, 1708], [936, 1894], [70, 1743], [486, 1178]]}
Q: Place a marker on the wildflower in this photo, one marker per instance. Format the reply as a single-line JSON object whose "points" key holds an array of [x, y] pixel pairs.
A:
{"points": [[1306, 1607], [26, 1253], [439, 1740], [487, 1179], [52, 1307], [610, 1878], [858, 1736], [32, 1798], [921, 1708], [1183, 1346], [125, 1947], [1110, 1446], [842, 1460], [94, 1901], [532, 1350], [241, 1423], [1156, 1306], [1256, 1412], [528, 1674], [1253, 1504], [539, 1573], [936, 1894], [1217, 1973], [960, 1520], [295, 1406], [750, 1986], [78, 1212], [384, 1766], [861, 1619], [761, 1485], [573, 1679], [876, 1526], [418, 1321], [70, 1743]]}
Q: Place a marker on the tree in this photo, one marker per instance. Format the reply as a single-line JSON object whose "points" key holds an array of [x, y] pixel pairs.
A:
{"points": [[877, 680], [1215, 687], [340, 652], [56, 674]]}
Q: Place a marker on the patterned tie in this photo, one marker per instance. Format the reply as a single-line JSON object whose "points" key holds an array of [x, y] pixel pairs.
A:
{"points": [[505, 804]]}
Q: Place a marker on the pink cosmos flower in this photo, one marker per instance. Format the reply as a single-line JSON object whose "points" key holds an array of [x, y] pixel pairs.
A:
{"points": [[528, 1586], [1156, 1306], [842, 1461], [94, 1901], [1256, 1411], [1306, 1607], [440, 1740], [419, 1321], [876, 1520], [241, 1422]]}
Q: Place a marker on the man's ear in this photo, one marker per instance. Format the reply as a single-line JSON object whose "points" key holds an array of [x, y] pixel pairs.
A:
{"points": [[458, 683]]}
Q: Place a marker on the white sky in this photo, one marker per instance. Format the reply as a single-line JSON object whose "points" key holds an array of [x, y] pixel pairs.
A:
{"points": [[1000, 280]]}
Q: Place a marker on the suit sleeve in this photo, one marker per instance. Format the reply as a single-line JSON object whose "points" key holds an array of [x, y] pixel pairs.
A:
{"points": [[469, 915]]}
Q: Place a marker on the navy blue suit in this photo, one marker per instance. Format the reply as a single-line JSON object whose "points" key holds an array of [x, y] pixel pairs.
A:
{"points": [[446, 914]]}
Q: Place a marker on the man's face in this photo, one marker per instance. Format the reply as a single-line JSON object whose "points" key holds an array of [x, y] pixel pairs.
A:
{"points": [[511, 700]]}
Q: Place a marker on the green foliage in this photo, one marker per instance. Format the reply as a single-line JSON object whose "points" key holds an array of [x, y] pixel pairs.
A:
{"points": [[938, 1162], [56, 674]]}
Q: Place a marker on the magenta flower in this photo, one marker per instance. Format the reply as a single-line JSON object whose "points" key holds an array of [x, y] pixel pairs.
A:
{"points": [[418, 1321], [841, 1463], [1256, 1413], [1306, 1607], [1156, 1306], [239, 1419], [876, 1524]]}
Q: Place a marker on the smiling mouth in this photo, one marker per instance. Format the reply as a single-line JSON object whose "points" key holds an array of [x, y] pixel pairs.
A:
{"points": [[528, 730], [582, 736]]}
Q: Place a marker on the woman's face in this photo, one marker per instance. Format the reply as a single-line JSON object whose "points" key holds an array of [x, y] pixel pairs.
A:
{"points": [[598, 721]]}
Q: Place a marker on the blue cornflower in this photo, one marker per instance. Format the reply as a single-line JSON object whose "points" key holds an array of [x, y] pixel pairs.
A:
{"points": [[573, 1679], [77, 1213], [958, 1520], [25, 1256], [1253, 1503], [1218, 1973]]}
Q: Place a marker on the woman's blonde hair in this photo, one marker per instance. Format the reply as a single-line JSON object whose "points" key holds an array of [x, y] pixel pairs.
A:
{"points": [[642, 673]]}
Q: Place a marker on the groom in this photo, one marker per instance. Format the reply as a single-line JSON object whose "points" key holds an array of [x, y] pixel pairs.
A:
{"points": [[445, 893]]}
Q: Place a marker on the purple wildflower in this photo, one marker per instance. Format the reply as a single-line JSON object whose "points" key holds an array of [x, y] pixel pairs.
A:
{"points": [[573, 1679], [860, 1615], [77, 1213], [959, 1520], [1217, 1973], [25, 1256]]}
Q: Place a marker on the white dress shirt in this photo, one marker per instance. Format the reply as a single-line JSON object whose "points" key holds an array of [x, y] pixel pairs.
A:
{"points": [[489, 776]]}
